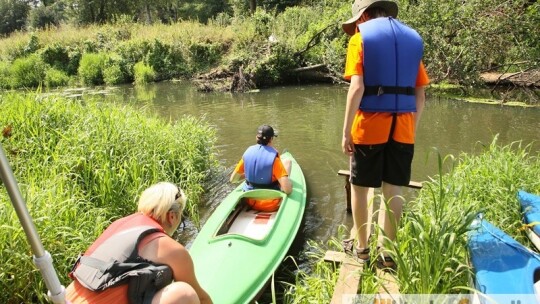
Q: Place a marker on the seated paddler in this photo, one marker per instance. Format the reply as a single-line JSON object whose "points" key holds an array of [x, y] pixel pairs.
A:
{"points": [[135, 260], [261, 165]]}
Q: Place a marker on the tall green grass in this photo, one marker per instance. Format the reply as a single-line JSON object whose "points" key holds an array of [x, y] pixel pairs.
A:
{"points": [[80, 165], [431, 247], [431, 250]]}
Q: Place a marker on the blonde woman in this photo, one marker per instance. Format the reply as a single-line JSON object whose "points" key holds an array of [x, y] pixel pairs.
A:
{"points": [[135, 260]]}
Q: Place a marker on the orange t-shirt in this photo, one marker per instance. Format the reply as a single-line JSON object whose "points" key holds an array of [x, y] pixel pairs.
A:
{"points": [[371, 128], [278, 170], [78, 294]]}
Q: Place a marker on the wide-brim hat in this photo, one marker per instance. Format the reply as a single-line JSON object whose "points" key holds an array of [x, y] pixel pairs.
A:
{"points": [[358, 8]]}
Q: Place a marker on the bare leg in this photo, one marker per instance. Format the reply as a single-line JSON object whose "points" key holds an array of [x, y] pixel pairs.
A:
{"points": [[176, 292], [394, 199], [361, 198]]}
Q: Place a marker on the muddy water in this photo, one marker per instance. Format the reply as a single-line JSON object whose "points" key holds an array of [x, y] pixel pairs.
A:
{"points": [[309, 120]]}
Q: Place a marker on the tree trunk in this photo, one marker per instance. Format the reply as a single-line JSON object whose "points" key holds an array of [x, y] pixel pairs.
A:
{"points": [[252, 6], [148, 15]]}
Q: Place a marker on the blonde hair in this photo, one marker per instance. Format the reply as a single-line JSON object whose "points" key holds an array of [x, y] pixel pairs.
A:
{"points": [[161, 198]]}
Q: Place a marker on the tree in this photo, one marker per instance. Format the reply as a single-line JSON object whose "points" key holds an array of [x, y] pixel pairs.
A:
{"points": [[13, 14]]}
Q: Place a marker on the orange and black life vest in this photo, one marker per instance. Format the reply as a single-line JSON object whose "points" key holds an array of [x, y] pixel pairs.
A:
{"points": [[113, 259]]}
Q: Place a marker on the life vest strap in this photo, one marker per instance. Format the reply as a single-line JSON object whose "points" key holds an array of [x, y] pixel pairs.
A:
{"points": [[380, 90], [273, 185]]}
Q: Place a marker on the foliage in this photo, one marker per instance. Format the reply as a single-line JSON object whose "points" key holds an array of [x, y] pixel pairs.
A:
{"points": [[431, 248], [32, 46], [42, 16], [56, 78], [13, 15], [204, 55], [56, 55], [74, 56], [81, 165], [195, 10], [166, 60], [91, 68], [5, 77], [114, 71], [462, 39], [143, 73], [435, 228], [28, 71]]}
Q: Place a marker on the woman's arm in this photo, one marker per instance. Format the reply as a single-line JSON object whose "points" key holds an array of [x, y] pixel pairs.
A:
{"points": [[167, 251]]}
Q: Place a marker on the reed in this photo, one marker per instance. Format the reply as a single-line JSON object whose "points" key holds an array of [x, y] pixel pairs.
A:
{"points": [[81, 164], [431, 246]]}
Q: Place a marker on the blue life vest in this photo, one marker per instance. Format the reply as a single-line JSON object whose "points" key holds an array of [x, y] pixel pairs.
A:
{"points": [[258, 165], [392, 55]]}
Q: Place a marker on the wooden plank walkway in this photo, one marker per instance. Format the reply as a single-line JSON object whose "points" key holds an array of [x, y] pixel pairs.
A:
{"points": [[349, 280], [349, 275], [389, 290]]}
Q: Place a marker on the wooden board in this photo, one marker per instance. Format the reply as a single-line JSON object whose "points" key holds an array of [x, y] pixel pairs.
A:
{"points": [[349, 275]]}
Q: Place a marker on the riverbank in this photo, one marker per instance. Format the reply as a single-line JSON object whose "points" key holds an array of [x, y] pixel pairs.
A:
{"points": [[431, 252], [301, 44], [80, 165]]}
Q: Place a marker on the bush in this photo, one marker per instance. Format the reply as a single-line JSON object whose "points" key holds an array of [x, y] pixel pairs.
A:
{"points": [[205, 55], [132, 52], [28, 71], [143, 73], [114, 71], [5, 77], [56, 55], [56, 78], [77, 161], [167, 60], [91, 68]]}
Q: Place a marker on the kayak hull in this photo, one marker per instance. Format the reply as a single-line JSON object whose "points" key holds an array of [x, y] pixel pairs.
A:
{"points": [[502, 266], [238, 249]]}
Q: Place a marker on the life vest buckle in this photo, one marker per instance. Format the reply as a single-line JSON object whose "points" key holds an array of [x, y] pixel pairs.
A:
{"points": [[380, 91]]}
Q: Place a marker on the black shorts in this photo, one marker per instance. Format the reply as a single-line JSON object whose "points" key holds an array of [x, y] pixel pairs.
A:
{"points": [[389, 162]]}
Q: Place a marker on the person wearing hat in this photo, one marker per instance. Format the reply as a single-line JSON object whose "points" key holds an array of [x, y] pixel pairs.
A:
{"points": [[384, 103], [261, 166]]}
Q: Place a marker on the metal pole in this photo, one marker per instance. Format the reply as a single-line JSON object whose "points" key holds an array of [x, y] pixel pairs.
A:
{"points": [[42, 259]]}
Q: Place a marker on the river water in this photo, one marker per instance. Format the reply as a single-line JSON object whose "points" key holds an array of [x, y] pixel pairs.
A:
{"points": [[309, 122]]}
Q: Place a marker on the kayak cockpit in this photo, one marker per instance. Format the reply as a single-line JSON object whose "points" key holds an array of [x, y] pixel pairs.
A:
{"points": [[254, 214]]}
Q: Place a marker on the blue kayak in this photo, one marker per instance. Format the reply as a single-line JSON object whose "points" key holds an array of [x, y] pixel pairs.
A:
{"points": [[530, 206], [503, 267]]}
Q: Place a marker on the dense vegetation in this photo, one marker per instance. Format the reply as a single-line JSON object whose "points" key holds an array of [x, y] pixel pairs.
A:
{"points": [[249, 43], [81, 165], [431, 251]]}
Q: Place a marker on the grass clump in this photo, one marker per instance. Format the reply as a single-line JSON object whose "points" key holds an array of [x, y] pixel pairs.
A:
{"points": [[56, 78], [91, 68], [143, 73], [431, 247], [81, 165], [28, 72]]}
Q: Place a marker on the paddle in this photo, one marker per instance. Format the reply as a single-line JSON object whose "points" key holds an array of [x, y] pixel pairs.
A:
{"points": [[42, 258]]}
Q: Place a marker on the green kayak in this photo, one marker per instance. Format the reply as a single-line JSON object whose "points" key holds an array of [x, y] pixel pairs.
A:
{"points": [[238, 248]]}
